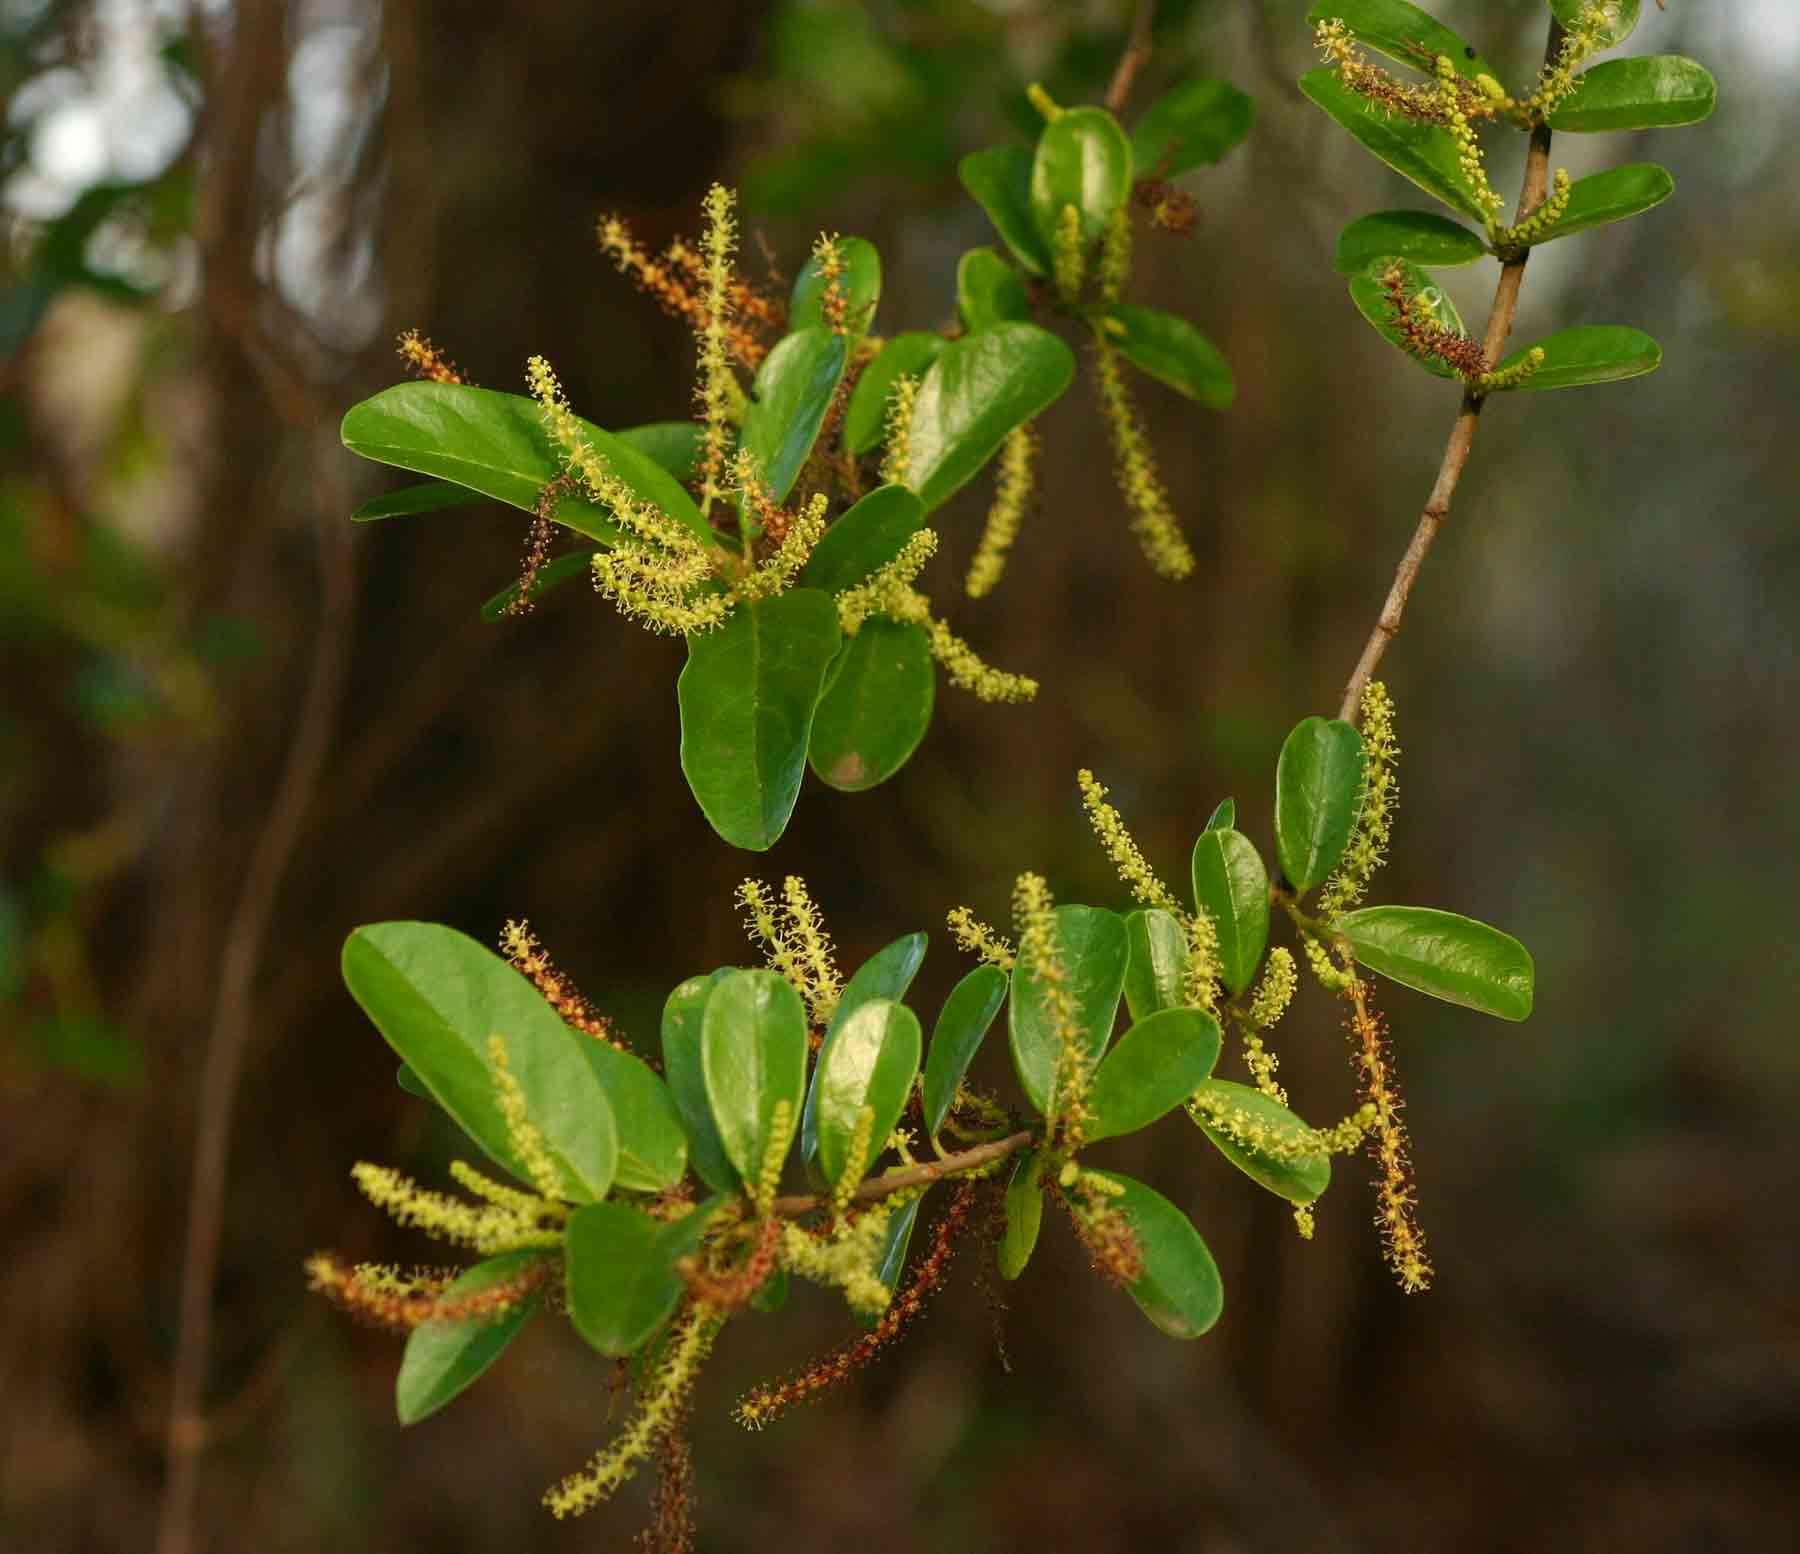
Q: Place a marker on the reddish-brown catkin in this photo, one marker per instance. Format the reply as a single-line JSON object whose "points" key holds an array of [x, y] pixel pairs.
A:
{"points": [[1402, 1239]]}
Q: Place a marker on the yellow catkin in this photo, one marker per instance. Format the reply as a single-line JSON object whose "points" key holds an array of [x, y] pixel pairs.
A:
{"points": [[890, 583], [527, 1141], [1514, 376], [1013, 492], [1068, 254], [483, 1227], [777, 574], [903, 397], [763, 923], [834, 307], [781, 1137], [716, 388], [1115, 254], [1267, 1005], [1134, 468], [856, 1160], [1368, 844], [977, 938], [1591, 33], [524, 1204], [1034, 920], [813, 950], [1128, 858], [847, 1260], [659, 1407]]}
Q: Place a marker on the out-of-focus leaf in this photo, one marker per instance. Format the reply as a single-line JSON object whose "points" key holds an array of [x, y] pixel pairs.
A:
{"points": [[999, 181], [1024, 1214], [989, 291], [1083, 159], [858, 284], [1172, 351], [1194, 124]]}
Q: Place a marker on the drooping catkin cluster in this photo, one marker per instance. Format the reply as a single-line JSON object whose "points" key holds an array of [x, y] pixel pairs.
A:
{"points": [[401, 1301], [1367, 848], [793, 937], [1396, 1198], [1040, 949], [424, 360], [1013, 492], [1153, 518], [715, 388], [846, 1256], [978, 938], [525, 954], [1274, 992], [762, 1404]]}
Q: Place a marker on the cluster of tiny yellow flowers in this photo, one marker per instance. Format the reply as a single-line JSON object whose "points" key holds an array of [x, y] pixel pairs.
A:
{"points": [[522, 1133], [716, 389], [1452, 90], [1367, 848], [1511, 377], [1034, 920], [1267, 1005], [976, 938], [856, 1159], [845, 1260], [782, 1123], [1252, 1132], [795, 941], [833, 305], [1068, 255], [1592, 32], [1402, 1239], [1541, 221], [1115, 255], [487, 1228], [1153, 519], [1012, 495], [897, 443]]}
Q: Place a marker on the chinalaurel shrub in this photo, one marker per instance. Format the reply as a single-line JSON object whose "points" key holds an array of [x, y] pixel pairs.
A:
{"points": [[653, 1198]]}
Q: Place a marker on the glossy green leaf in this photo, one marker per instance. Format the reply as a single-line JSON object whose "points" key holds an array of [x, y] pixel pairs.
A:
{"points": [[1083, 159], [1652, 91], [1621, 17], [890, 1261], [1157, 962], [686, 1075], [753, 1057], [652, 1143], [431, 497], [1231, 885], [1403, 32], [1612, 196], [977, 391], [907, 355], [496, 444], [622, 1280], [961, 1026], [1590, 353], [871, 1062], [747, 698], [1171, 350], [1153, 1068], [1224, 817], [1179, 1290], [859, 284], [1299, 1176], [886, 974], [876, 706], [551, 575], [1415, 235], [1371, 299], [443, 1359], [438, 996], [1318, 784], [1092, 946], [410, 1082], [1024, 1214], [999, 181], [673, 446], [788, 403], [1421, 153], [989, 291], [864, 540], [1194, 124], [1448, 956]]}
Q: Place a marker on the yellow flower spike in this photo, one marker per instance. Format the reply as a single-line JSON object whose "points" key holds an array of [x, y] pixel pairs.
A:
{"points": [[1511, 377], [893, 582], [782, 1123], [1034, 920], [1134, 466], [527, 1141], [1128, 858], [1115, 255], [833, 305], [484, 1228], [1402, 1239], [1588, 36], [777, 574], [1303, 1220], [645, 586], [1276, 989], [525, 1204], [898, 440], [1013, 492], [1068, 257], [812, 950], [1201, 987], [847, 1259], [1367, 848], [977, 938], [717, 390], [764, 926], [856, 1160]]}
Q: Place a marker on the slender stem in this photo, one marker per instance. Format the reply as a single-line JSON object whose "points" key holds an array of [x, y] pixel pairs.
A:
{"points": [[1462, 433], [1135, 57], [912, 1176]]}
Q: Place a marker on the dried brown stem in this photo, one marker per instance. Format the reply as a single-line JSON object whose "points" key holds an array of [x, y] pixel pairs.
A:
{"points": [[1462, 433], [1135, 57], [912, 1176]]}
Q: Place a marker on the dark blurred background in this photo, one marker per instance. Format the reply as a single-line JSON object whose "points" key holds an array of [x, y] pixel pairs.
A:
{"points": [[231, 729]]}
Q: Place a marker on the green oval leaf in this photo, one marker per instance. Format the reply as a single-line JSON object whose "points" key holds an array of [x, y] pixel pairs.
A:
{"points": [[1371, 300], [1414, 235], [864, 540], [622, 1280], [871, 1062], [443, 1359], [1024, 1214], [1590, 353], [1278, 1163], [431, 497], [886, 974], [1621, 17], [859, 283], [682, 1066], [1157, 962], [747, 699], [961, 1026], [999, 181], [876, 706], [1652, 91], [552, 575], [788, 404], [907, 355], [1612, 196], [890, 1262], [496, 444], [652, 1143], [670, 445], [1083, 159], [989, 291], [1172, 351], [1179, 1290], [977, 391], [410, 1082], [753, 1057], [1232, 887], [1448, 956], [1194, 124], [1421, 153], [1318, 783], [1403, 32], [1224, 817], [437, 996], [1156, 1065], [1093, 949]]}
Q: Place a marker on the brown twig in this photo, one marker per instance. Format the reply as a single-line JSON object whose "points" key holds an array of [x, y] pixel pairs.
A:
{"points": [[912, 1176], [1462, 433], [1135, 57]]}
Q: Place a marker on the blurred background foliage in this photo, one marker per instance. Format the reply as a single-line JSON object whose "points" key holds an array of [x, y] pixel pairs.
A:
{"points": [[230, 731]]}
